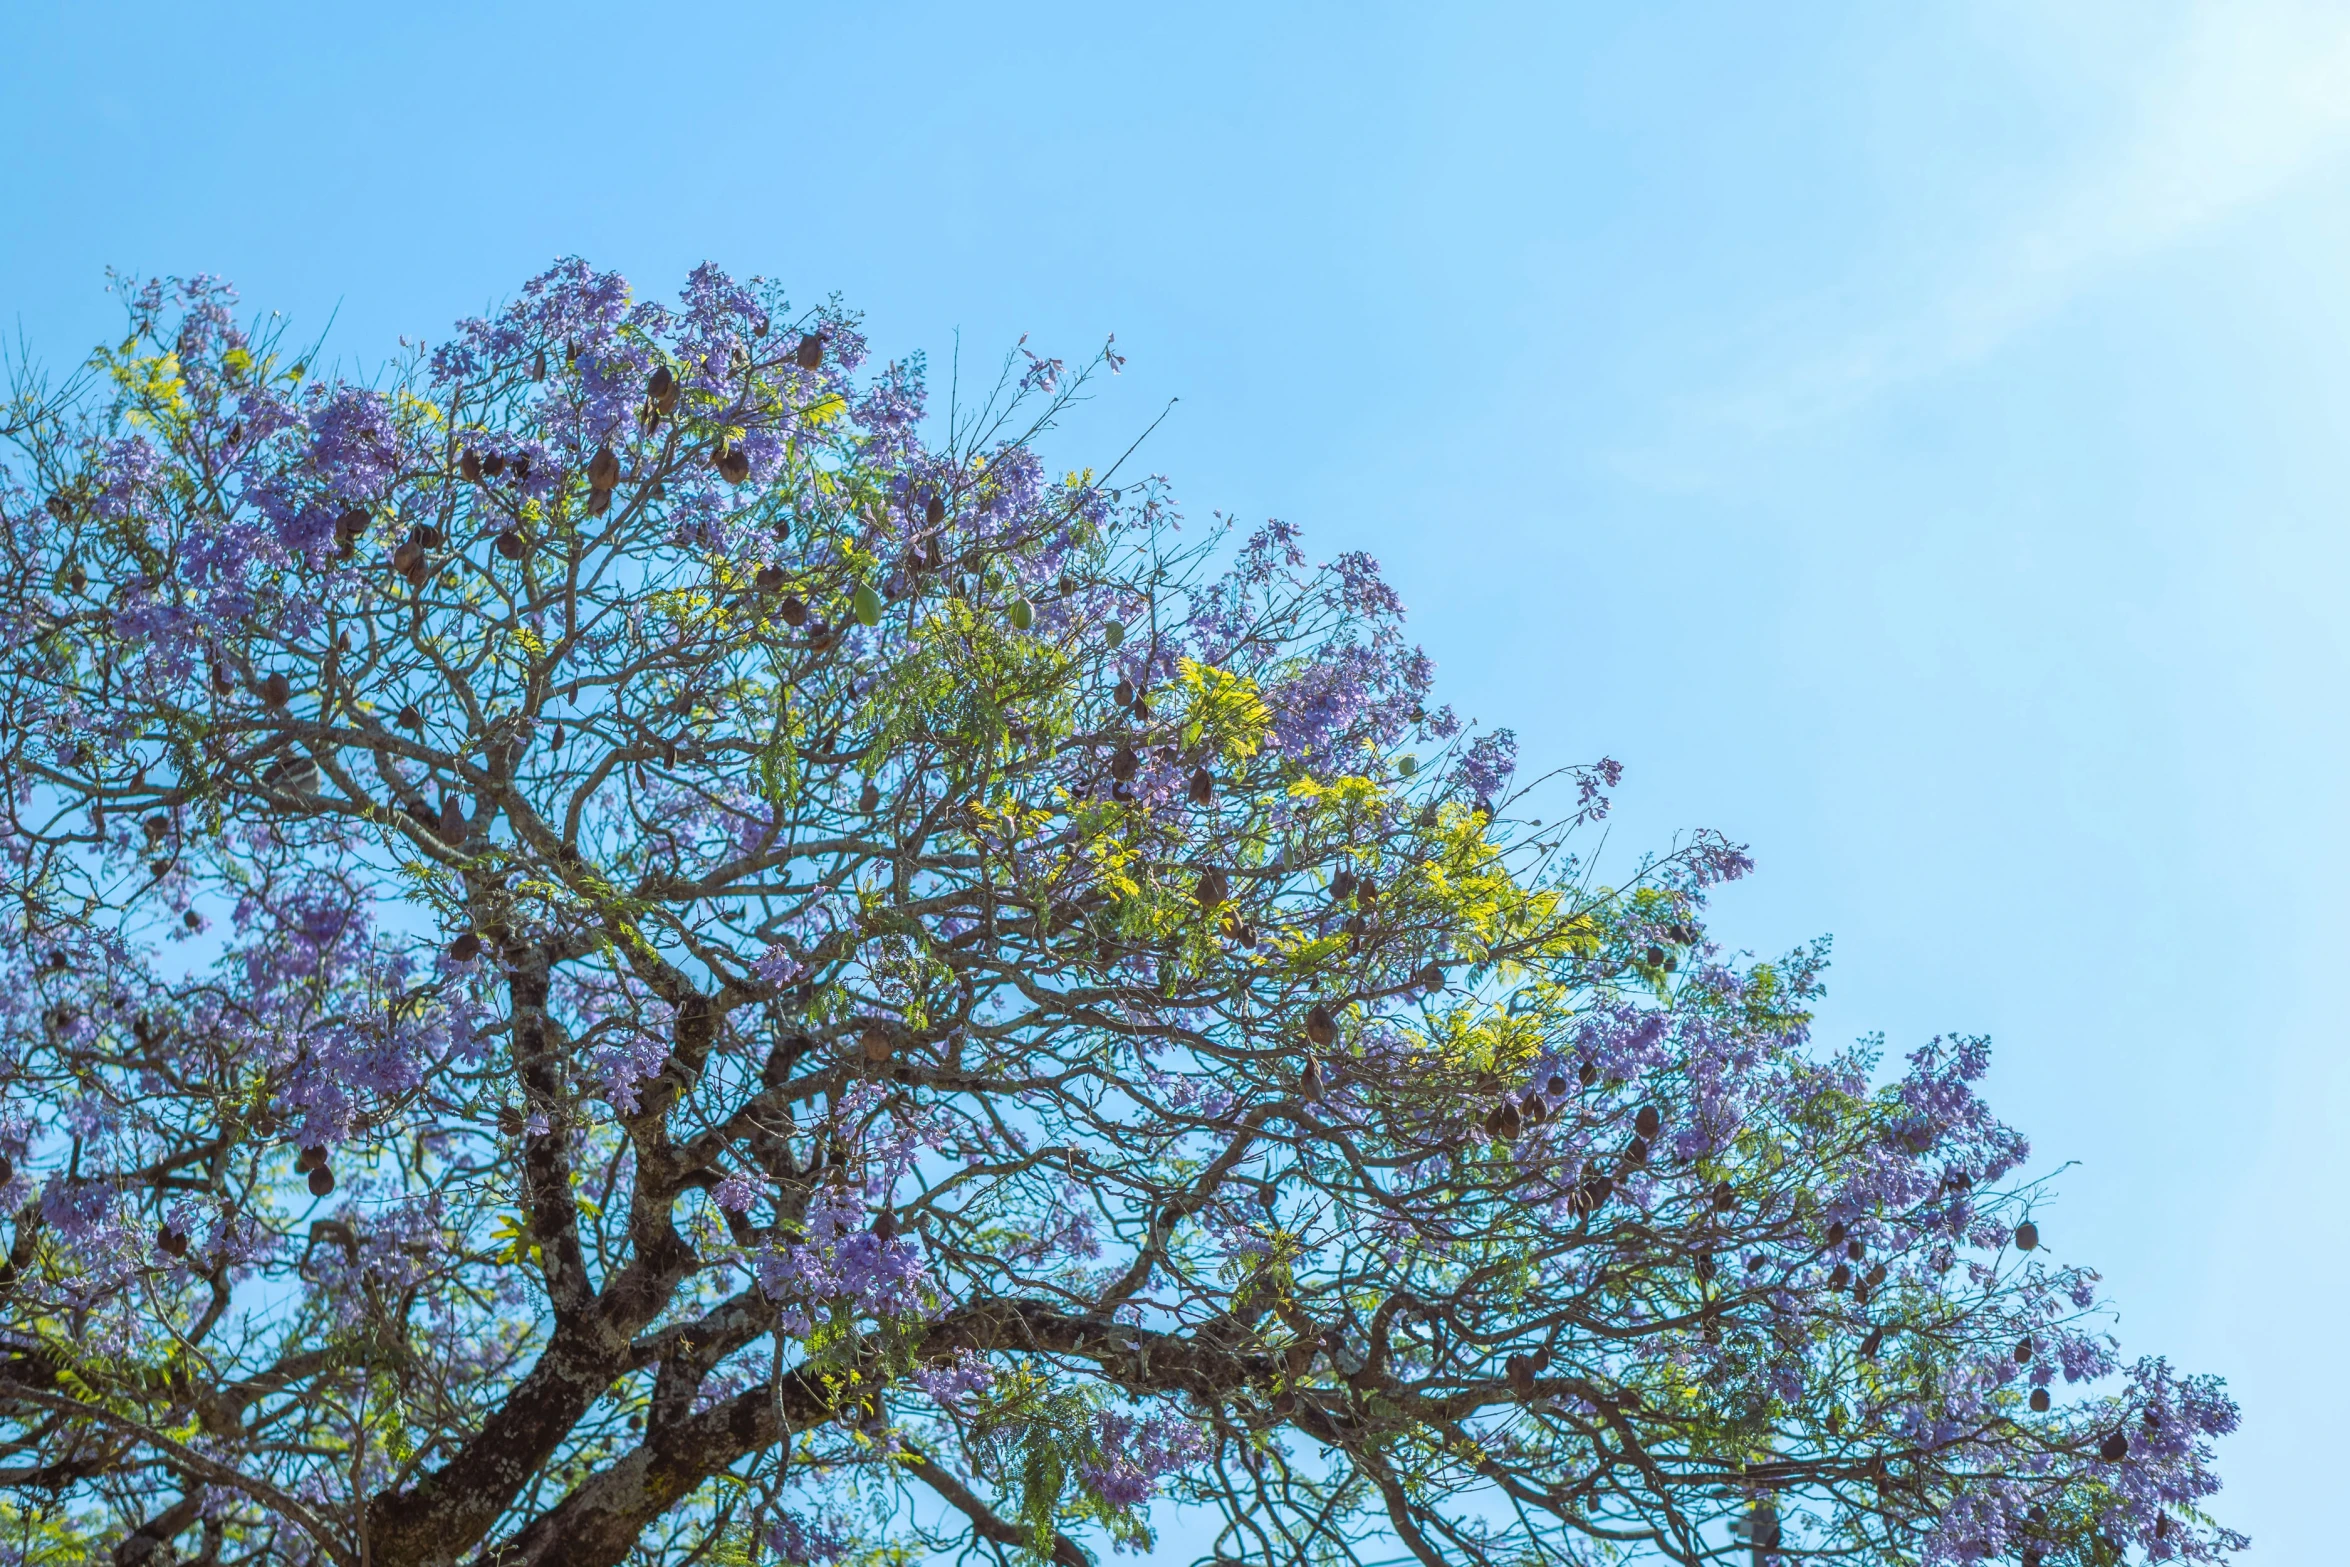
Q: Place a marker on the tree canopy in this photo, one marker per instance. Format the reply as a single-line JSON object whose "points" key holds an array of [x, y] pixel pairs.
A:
{"points": [[626, 942]]}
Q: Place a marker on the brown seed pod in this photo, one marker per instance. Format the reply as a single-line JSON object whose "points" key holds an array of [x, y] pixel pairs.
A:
{"points": [[1855, 1250], [410, 718], [874, 1042], [493, 465], [794, 612], [510, 544], [734, 466], [1321, 1027], [172, 1241], [1836, 1233], [1124, 694], [1533, 1110], [1648, 1122], [428, 536], [470, 466], [2023, 1353], [1876, 1277], [2040, 1401], [1213, 890], [1123, 762], [1203, 787], [322, 1181], [810, 354], [599, 502], [661, 388], [2027, 1236], [885, 1226], [934, 511], [1431, 977], [770, 578], [276, 690], [1520, 1371], [1342, 885], [1310, 1082], [538, 365], [1840, 1277], [1503, 1121], [603, 469], [1587, 1074], [2114, 1448], [869, 798]]}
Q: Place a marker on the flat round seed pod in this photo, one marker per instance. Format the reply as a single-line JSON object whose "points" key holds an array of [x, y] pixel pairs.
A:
{"points": [[1321, 1027], [1310, 1083], [1123, 762], [660, 384], [875, 1043], [470, 466], [510, 544], [172, 1241], [2040, 1401], [1839, 1277], [794, 612], [322, 1181], [810, 354], [603, 470], [1203, 786], [466, 947], [1874, 1342], [2114, 1448], [1587, 1074], [1855, 1250], [734, 466], [934, 511], [869, 798], [1214, 888], [1648, 1122], [1556, 1087], [2027, 1236], [1836, 1233], [770, 578], [2023, 1353], [1124, 694], [1431, 977], [276, 690], [410, 718]]}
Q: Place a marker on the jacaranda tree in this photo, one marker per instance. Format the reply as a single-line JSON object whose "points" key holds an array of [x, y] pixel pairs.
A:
{"points": [[623, 943]]}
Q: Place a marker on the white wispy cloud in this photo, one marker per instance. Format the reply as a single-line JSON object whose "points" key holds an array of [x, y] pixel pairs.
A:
{"points": [[2241, 101]]}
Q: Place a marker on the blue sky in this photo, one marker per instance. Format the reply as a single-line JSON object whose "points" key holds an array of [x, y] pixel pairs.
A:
{"points": [[1910, 438]]}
